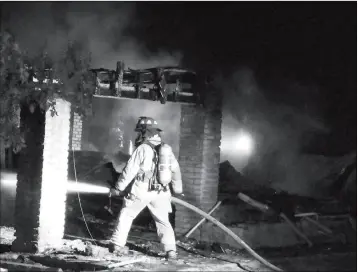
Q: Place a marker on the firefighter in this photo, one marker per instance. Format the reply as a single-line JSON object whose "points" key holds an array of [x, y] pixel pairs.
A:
{"points": [[142, 175]]}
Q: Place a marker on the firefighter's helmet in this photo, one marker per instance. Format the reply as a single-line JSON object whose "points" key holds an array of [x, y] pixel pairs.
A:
{"points": [[146, 123]]}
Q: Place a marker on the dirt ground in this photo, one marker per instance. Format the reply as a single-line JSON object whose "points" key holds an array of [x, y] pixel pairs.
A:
{"points": [[74, 257]]}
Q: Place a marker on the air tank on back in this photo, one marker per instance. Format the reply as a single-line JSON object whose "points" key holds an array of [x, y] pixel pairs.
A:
{"points": [[164, 169]]}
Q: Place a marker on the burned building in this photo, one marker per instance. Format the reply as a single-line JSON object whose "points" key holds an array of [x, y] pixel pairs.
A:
{"points": [[198, 135]]}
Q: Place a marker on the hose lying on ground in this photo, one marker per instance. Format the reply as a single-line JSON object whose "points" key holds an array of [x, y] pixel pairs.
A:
{"points": [[228, 231]]}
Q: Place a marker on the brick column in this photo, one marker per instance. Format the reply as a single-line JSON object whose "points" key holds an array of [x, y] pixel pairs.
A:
{"points": [[42, 180], [76, 131], [199, 158]]}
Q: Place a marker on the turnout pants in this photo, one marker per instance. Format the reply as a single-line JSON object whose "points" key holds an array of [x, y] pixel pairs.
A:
{"points": [[159, 206]]}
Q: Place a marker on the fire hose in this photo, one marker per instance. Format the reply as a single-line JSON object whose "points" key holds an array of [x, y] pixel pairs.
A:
{"points": [[228, 231], [202, 213], [222, 227]]}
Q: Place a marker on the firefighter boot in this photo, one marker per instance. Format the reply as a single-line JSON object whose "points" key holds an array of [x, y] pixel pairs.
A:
{"points": [[171, 255], [118, 250]]}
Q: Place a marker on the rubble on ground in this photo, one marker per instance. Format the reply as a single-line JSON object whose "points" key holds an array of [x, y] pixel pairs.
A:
{"points": [[78, 254], [145, 256], [7, 235]]}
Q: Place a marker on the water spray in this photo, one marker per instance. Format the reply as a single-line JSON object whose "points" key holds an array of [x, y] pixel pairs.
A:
{"points": [[82, 187], [9, 180]]}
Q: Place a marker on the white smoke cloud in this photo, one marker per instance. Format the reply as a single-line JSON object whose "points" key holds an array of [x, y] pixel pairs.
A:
{"points": [[100, 28], [279, 130]]}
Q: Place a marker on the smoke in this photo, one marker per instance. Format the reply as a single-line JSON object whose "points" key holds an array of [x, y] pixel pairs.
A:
{"points": [[280, 129], [102, 28], [107, 113]]}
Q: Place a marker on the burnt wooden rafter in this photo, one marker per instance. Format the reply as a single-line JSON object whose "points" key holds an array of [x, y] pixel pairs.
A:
{"points": [[162, 84]]}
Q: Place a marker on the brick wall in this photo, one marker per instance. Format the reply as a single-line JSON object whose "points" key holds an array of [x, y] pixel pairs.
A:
{"points": [[199, 158], [42, 180], [76, 131]]}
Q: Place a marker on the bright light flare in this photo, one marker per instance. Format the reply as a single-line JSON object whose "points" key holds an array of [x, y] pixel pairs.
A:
{"points": [[244, 143]]}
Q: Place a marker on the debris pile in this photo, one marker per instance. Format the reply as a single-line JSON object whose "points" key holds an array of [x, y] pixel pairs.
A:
{"points": [[233, 182], [314, 220]]}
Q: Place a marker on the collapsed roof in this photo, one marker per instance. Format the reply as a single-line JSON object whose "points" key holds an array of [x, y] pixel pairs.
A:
{"points": [[162, 84], [157, 83]]}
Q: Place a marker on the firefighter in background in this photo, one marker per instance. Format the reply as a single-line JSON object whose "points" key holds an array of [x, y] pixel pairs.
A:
{"points": [[152, 172]]}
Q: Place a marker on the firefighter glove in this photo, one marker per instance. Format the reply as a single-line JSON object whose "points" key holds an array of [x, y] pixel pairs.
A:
{"points": [[179, 195], [115, 192]]}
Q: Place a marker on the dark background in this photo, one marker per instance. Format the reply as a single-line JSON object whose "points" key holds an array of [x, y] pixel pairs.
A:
{"points": [[313, 43]]}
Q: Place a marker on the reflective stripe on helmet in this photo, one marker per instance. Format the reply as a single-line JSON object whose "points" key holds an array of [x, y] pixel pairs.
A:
{"points": [[146, 123]]}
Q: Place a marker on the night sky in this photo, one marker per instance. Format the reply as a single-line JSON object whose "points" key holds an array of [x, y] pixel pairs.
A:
{"points": [[313, 43], [310, 44]]}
